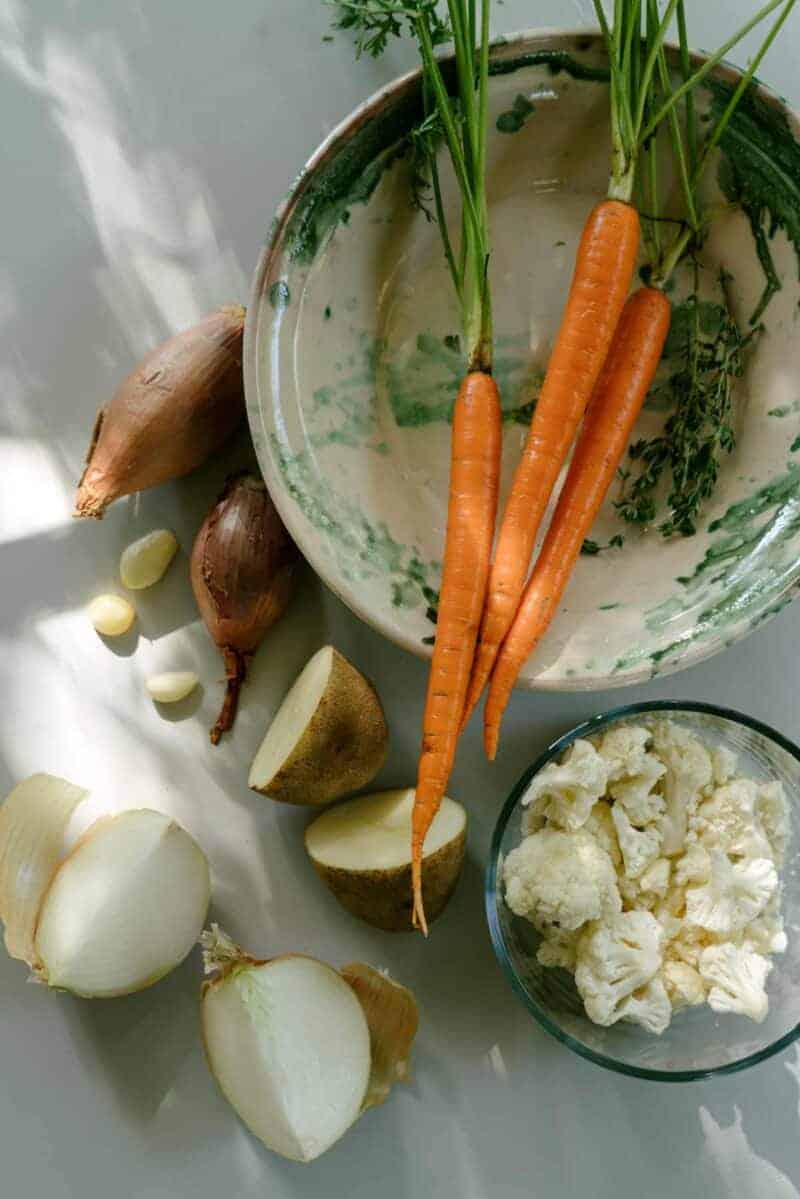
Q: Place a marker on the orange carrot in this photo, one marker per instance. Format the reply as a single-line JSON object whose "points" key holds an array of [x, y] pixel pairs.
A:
{"points": [[603, 271], [628, 373], [474, 478]]}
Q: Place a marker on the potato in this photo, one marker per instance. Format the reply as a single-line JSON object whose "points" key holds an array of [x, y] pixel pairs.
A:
{"points": [[328, 738], [362, 851]]}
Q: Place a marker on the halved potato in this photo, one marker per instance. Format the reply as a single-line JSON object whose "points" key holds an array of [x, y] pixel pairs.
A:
{"points": [[362, 851], [328, 738]]}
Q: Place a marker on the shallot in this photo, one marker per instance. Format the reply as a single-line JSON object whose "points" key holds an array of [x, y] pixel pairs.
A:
{"points": [[243, 569]]}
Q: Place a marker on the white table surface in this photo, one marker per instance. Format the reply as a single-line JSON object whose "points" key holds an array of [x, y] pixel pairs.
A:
{"points": [[145, 146]]}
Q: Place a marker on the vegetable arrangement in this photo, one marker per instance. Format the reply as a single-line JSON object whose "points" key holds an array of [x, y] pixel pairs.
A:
{"points": [[602, 365], [299, 1049]]}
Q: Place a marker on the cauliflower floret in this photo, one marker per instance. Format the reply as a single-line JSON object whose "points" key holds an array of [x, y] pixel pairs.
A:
{"points": [[616, 958], [655, 879], [694, 866], [600, 825], [624, 749], [640, 847], [688, 773], [641, 802], [684, 984], [734, 894], [737, 977], [687, 944], [766, 934], [724, 764], [563, 879], [773, 813], [649, 1006], [632, 895], [728, 821], [564, 793], [558, 949]]}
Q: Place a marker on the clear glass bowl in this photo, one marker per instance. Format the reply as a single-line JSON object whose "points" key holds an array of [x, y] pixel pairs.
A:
{"points": [[699, 1042]]}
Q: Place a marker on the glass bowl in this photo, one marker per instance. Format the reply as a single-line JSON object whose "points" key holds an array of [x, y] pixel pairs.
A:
{"points": [[699, 1043]]}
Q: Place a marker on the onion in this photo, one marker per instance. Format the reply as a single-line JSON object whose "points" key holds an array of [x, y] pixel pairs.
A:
{"points": [[176, 408], [122, 910], [243, 569], [33, 824], [299, 1050]]}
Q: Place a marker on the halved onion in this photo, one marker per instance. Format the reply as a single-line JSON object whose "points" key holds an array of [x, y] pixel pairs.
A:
{"points": [[124, 909]]}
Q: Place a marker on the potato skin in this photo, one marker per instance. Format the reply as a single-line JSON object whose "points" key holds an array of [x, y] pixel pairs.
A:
{"points": [[382, 898], [343, 747]]}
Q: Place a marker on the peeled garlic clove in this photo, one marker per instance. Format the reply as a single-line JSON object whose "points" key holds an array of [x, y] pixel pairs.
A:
{"points": [[111, 615], [33, 823], [172, 686], [145, 561], [393, 1019], [289, 1045], [124, 909]]}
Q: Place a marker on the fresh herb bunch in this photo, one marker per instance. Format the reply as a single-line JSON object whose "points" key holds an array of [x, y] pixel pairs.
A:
{"points": [[700, 431], [710, 351]]}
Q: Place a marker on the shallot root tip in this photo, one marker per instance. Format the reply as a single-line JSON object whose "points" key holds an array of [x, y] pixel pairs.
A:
{"points": [[235, 674]]}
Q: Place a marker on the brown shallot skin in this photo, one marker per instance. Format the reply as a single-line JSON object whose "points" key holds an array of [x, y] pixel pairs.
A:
{"points": [[174, 410], [244, 568]]}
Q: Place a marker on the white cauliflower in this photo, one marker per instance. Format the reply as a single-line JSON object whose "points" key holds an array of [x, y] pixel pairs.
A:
{"points": [[728, 821], [684, 985], [767, 934], [649, 1007], [773, 813], [687, 775], [559, 949], [559, 878], [649, 868], [694, 866], [640, 847], [615, 958], [686, 944], [736, 976], [724, 764], [600, 825], [655, 879], [564, 793], [624, 749], [734, 894], [638, 796]]}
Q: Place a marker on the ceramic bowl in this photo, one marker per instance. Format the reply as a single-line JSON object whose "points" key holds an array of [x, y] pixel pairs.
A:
{"points": [[352, 362], [699, 1042]]}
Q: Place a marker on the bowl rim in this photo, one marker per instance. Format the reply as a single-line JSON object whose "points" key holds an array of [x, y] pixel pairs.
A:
{"points": [[582, 39], [493, 898]]}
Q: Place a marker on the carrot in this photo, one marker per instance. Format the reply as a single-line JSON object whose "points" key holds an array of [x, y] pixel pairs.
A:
{"points": [[474, 482], [603, 271], [625, 381]]}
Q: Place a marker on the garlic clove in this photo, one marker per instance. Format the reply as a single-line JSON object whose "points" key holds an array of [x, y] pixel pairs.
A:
{"points": [[289, 1046], [393, 1019], [124, 909], [172, 686], [146, 560], [33, 824], [111, 615]]}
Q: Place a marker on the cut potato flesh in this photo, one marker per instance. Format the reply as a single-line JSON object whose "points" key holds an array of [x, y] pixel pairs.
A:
{"points": [[328, 738], [289, 1045], [125, 907], [373, 832], [293, 717], [362, 851]]}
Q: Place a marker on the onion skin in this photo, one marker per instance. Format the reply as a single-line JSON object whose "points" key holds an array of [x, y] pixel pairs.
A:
{"points": [[174, 410], [244, 569]]}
